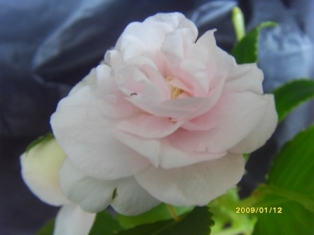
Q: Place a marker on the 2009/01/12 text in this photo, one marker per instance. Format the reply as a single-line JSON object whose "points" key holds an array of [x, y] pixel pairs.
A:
{"points": [[258, 210]]}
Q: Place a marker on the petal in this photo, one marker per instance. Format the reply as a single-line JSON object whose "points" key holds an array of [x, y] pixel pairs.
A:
{"points": [[235, 114], [132, 199], [149, 148], [245, 77], [171, 157], [71, 220], [148, 36], [93, 195], [148, 126], [40, 167], [262, 132], [84, 132], [193, 185]]}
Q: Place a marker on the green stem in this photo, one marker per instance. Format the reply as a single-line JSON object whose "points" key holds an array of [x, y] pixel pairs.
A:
{"points": [[173, 213], [238, 23]]}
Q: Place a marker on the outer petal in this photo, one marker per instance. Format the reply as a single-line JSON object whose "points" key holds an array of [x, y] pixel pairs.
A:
{"points": [[193, 185], [71, 220], [40, 167], [84, 132], [262, 132], [236, 115], [132, 199], [91, 194]]}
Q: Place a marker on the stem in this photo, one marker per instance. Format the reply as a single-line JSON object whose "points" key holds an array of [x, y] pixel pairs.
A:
{"points": [[173, 213], [238, 23]]}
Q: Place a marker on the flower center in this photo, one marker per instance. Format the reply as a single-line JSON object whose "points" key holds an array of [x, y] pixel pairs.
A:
{"points": [[175, 91]]}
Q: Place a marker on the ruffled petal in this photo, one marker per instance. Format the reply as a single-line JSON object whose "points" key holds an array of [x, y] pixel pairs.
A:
{"points": [[71, 220], [235, 114], [40, 167], [262, 132], [245, 77], [132, 199], [193, 185], [148, 126], [93, 195], [84, 132], [133, 42]]}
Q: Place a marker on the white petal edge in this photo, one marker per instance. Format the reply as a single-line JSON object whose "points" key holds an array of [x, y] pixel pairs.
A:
{"points": [[262, 132], [71, 220], [193, 185], [93, 195], [132, 199]]}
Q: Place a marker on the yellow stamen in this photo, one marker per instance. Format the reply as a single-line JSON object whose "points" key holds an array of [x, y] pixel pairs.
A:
{"points": [[175, 91]]}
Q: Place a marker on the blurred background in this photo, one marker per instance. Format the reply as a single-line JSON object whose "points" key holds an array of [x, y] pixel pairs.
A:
{"points": [[47, 46]]}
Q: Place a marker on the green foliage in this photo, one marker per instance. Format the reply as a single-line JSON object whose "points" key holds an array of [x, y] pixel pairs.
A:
{"points": [[158, 213], [289, 186], [105, 224], [292, 94], [245, 51], [225, 216], [47, 229], [197, 222]]}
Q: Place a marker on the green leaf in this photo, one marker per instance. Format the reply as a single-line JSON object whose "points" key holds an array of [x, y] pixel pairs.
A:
{"points": [[105, 224], [158, 213], [47, 229], [197, 222], [238, 23], [245, 51], [40, 139], [292, 94], [290, 186]]}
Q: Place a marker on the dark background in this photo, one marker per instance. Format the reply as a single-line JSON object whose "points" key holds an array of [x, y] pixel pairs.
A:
{"points": [[47, 46]]}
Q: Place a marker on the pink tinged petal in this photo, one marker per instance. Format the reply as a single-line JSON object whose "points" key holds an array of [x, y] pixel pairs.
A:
{"points": [[148, 126], [149, 148], [40, 167], [93, 195], [156, 78], [71, 220], [199, 73], [132, 199], [245, 77], [136, 85], [91, 147], [200, 123], [171, 157], [193, 185], [262, 132], [236, 115]]}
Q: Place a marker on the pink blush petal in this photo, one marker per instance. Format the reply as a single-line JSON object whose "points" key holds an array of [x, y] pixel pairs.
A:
{"points": [[148, 126]]}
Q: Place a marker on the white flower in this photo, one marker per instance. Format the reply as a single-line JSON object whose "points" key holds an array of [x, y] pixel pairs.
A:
{"points": [[166, 118], [40, 168]]}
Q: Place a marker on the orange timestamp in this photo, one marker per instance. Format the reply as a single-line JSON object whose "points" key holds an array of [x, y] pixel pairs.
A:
{"points": [[258, 210]]}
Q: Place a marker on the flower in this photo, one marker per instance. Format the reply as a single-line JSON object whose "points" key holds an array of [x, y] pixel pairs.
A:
{"points": [[40, 167], [165, 117]]}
